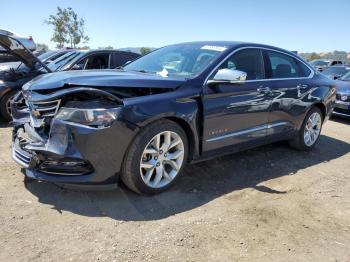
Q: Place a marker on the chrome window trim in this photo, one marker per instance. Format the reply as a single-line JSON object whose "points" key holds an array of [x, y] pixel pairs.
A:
{"points": [[311, 75], [247, 131]]}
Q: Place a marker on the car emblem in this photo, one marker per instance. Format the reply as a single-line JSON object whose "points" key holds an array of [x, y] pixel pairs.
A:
{"points": [[344, 97]]}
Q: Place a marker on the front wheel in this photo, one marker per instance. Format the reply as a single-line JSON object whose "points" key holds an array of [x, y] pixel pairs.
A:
{"points": [[155, 158], [310, 130]]}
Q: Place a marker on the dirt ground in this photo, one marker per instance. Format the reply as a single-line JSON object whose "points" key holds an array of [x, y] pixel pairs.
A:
{"points": [[268, 204]]}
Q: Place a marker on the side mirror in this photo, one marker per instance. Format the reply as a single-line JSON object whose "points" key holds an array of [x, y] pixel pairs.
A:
{"points": [[228, 76]]}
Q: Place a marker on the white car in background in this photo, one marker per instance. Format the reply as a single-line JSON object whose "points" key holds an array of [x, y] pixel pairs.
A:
{"points": [[28, 42]]}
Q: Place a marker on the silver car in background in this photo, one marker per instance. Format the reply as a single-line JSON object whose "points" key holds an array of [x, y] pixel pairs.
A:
{"points": [[28, 42]]}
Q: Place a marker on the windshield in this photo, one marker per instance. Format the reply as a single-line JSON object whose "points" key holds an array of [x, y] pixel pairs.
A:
{"points": [[183, 60], [346, 77], [64, 60], [319, 63]]}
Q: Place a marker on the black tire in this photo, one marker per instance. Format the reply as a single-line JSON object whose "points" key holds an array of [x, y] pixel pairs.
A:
{"points": [[131, 166], [298, 142], [3, 105]]}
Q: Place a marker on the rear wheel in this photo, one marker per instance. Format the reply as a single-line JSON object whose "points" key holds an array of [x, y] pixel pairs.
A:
{"points": [[5, 106], [155, 158], [310, 130]]}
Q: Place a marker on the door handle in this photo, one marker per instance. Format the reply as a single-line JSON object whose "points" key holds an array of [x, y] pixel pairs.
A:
{"points": [[264, 89]]}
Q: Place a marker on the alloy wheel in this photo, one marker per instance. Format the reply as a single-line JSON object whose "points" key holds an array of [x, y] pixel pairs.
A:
{"points": [[312, 129], [8, 105], [162, 159]]}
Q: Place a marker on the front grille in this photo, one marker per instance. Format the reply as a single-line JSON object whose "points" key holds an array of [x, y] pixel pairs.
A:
{"points": [[45, 109]]}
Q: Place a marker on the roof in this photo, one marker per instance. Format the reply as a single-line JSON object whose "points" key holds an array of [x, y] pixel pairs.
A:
{"points": [[238, 44]]}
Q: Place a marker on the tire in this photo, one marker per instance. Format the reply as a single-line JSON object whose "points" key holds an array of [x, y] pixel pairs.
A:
{"points": [[5, 114], [143, 163], [300, 142]]}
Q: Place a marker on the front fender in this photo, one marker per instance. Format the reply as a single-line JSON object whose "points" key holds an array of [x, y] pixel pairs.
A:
{"points": [[181, 106]]}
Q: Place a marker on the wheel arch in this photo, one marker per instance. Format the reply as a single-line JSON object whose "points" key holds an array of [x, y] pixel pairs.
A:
{"points": [[322, 107], [191, 138]]}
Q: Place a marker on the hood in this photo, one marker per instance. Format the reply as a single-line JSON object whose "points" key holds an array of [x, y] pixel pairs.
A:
{"points": [[17, 49], [102, 78], [343, 87]]}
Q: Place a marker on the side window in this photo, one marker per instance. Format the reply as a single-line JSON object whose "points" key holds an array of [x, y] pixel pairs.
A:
{"points": [[247, 60], [283, 66], [97, 61], [80, 65], [119, 59]]}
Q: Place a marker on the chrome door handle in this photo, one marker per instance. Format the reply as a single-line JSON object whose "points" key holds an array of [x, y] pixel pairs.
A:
{"points": [[264, 89]]}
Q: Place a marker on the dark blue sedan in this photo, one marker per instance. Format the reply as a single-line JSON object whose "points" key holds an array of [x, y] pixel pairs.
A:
{"points": [[179, 104]]}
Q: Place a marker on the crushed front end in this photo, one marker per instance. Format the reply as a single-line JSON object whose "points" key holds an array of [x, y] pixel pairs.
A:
{"points": [[70, 136]]}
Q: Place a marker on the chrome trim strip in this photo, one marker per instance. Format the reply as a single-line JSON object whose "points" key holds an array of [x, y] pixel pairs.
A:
{"points": [[18, 160], [247, 131], [262, 80]]}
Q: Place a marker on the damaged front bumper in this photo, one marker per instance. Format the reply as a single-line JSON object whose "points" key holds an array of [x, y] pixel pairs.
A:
{"points": [[69, 153]]}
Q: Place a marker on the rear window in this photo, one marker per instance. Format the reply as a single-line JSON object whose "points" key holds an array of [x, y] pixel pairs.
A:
{"points": [[280, 65]]}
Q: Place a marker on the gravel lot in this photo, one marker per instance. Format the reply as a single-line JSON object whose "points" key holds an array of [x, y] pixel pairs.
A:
{"points": [[270, 203]]}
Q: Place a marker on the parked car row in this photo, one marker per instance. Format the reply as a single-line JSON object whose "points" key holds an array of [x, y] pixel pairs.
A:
{"points": [[323, 64], [142, 122], [28, 42], [339, 71], [342, 106]]}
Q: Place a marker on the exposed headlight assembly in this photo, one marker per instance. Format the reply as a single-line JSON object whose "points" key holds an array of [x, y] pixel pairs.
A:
{"points": [[98, 117]]}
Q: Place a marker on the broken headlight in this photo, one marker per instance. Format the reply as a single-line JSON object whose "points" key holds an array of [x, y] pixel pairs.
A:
{"points": [[98, 117]]}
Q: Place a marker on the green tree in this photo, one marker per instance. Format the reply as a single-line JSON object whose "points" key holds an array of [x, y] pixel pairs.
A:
{"points": [[145, 50], [68, 28]]}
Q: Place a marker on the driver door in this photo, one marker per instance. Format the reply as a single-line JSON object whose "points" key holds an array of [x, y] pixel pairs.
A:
{"points": [[237, 113]]}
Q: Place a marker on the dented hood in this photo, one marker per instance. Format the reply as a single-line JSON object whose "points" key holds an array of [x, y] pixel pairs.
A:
{"points": [[102, 78]]}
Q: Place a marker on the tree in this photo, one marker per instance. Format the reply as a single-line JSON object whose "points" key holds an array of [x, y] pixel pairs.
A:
{"points": [[68, 28], [145, 50], [76, 28]]}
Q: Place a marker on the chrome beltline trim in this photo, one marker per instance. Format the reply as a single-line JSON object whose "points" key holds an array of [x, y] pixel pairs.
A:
{"points": [[17, 160], [254, 129]]}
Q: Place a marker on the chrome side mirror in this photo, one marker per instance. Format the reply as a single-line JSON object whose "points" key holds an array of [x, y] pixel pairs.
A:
{"points": [[228, 76]]}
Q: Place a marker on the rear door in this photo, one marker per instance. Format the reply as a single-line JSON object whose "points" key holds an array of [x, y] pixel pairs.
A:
{"points": [[236, 113], [289, 80]]}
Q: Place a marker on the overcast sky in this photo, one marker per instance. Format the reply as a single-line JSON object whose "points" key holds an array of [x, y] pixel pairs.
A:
{"points": [[305, 26]]}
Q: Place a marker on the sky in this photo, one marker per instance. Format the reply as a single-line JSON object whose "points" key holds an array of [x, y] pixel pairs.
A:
{"points": [[301, 25]]}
